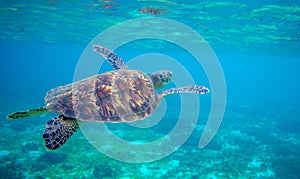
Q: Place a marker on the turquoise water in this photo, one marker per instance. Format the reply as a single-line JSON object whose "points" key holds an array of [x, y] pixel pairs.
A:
{"points": [[257, 44]]}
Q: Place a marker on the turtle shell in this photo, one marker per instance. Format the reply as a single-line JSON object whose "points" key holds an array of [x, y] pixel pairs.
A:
{"points": [[116, 96]]}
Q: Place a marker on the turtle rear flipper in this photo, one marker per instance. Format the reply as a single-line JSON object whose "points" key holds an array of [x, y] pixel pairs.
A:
{"points": [[29, 113], [58, 130]]}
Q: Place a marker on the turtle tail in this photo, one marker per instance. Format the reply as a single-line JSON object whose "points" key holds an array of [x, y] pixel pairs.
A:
{"points": [[29, 113]]}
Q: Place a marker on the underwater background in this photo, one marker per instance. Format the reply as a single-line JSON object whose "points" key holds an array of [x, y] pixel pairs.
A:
{"points": [[257, 44]]}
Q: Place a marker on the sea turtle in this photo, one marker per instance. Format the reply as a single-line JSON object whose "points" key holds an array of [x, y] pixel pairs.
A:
{"points": [[121, 95]]}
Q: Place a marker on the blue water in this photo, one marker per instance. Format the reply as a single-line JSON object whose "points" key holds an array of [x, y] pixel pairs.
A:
{"points": [[257, 44]]}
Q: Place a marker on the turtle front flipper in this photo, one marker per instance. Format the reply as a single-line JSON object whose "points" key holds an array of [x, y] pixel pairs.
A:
{"points": [[185, 89], [115, 61], [29, 113], [58, 130]]}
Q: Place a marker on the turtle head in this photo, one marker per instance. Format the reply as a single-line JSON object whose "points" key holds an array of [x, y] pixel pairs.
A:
{"points": [[161, 78]]}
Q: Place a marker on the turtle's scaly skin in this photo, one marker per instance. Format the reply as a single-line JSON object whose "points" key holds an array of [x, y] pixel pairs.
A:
{"points": [[116, 62], [116, 96], [58, 130], [28, 113]]}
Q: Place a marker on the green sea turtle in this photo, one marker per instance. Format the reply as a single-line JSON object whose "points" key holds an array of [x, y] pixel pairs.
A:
{"points": [[121, 95]]}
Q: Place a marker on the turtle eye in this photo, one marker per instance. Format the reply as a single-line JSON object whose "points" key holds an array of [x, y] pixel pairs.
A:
{"points": [[163, 78]]}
